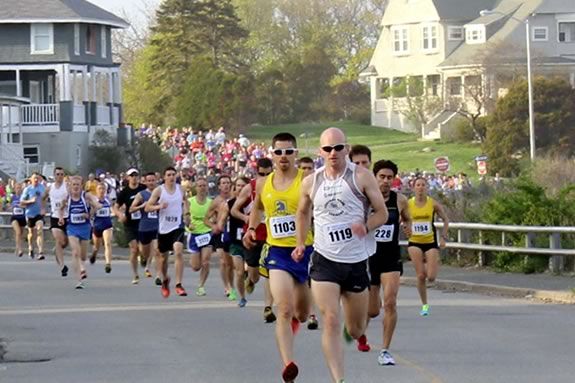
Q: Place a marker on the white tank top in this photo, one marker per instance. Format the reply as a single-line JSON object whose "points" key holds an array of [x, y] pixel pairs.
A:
{"points": [[171, 217], [57, 197], [336, 205]]}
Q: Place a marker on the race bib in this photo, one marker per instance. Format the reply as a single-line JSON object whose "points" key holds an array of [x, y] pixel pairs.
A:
{"points": [[136, 215], [58, 205], [421, 228], [384, 233], [203, 240], [240, 234], [282, 227], [18, 211], [77, 218], [103, 212], [171, 219], [338, 233], [153, 215]]}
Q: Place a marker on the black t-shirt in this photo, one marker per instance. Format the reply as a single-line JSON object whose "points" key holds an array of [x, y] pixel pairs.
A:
{"points": [[236, 226], [126, 197]]}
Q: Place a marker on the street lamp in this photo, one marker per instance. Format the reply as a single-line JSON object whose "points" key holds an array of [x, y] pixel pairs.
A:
{"points": [[487, 12]]}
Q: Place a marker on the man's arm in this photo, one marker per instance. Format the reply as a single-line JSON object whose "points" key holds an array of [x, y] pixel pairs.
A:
{"points": [[26, 199], [404, 214], [152, 204], [212, 210], [137, 203], [241, 201], [255, 217], [368, 184], [303, 217]]}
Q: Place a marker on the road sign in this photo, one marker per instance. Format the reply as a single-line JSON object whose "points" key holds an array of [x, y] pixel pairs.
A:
{"points": [[482, 167], [442, 164]]}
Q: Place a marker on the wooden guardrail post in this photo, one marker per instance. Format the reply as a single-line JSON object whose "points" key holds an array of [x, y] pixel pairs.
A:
{"points": [[556, 262]]}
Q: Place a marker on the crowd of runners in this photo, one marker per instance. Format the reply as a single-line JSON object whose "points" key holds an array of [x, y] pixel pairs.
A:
{"points": [[316, 239]]}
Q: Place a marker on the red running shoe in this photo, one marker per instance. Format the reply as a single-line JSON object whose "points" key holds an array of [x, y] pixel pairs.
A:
{"points": [[165, 287], [181, 291], [362, 344], [290, 372], [294, 325]]}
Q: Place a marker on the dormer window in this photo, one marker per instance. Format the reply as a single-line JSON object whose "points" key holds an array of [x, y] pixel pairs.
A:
{"points": [[41, 39], [400, 40], [475, 34], [429, 38], [91, 39]]}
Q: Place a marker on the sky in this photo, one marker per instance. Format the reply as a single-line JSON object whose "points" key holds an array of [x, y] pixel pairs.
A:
{"points": [[133, 8]]}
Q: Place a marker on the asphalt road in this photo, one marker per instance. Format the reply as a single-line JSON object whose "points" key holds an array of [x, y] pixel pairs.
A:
{"points": [[116, 332]]}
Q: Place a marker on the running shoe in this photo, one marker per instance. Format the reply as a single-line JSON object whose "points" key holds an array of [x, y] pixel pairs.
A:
{"points": [[348, 339], [362, 344], [93, 257], [295, 325], [136, 280], [108, 268], [41, 257], [201, 291], [80, 285], [290, 372], [269, 316], [385, 358], [64, 271], [165, 287], [180, 290], [158, 281], [83, 274], [424, 310], [243, 302], [312, 323], [31, 254], [249, 285], [233, 296], [20, 254], [147, 273]]}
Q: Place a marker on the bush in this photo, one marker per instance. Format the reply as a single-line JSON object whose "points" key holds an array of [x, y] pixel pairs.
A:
{"points": [[553, 173], [120, 234]]}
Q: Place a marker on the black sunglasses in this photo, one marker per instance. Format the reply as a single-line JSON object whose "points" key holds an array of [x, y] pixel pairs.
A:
{"points": [[133, 175], [284, 152], [329, 148], [263, 174]]}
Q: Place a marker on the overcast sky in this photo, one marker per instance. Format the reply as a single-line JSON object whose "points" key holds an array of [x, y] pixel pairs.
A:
{"points": [[134, 8]]}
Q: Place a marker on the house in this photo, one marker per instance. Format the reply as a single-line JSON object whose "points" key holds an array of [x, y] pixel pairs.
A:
{"points": [[437, 60], [58, 80]]}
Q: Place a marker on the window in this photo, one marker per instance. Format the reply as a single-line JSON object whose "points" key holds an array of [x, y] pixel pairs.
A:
{"points": [[429, 38], [454, 86], [91, 39], [455, 33], [383, 89], [567, 32], [42, 39], [104, 41], [400, 40], [32, 153], [433, 84], [475, 34], [77, 39], [539, 34]]}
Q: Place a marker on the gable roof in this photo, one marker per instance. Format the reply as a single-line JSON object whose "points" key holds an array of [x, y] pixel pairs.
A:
{"points": [[462, 10], [57, 11]]}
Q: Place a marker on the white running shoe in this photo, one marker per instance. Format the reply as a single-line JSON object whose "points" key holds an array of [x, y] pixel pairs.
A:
{"points": [[385, 358]]}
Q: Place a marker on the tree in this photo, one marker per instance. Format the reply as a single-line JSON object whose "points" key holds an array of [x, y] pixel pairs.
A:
{"points": [[105, 153], [507, 138]]}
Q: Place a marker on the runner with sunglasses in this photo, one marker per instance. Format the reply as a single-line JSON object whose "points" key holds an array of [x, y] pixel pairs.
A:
{"points": [[278, 196], [340, 194], [18, 219], [58, 193]]}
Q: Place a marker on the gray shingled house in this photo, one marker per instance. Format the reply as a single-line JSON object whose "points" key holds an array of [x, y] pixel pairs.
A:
{"points": [[58, 82]]}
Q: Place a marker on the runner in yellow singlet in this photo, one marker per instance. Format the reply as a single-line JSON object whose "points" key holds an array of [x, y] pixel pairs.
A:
{"points": [[423, 246]]}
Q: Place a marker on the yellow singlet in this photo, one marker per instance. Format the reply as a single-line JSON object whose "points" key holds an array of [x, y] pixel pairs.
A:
{"points": [[280, 208], [422, 229]]}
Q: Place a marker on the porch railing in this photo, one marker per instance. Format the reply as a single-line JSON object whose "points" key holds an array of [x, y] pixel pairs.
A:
{"points": [[103, 115], [41, 114]]}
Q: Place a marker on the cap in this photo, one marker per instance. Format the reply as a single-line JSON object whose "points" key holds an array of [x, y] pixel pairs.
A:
{"points": [[102, 175], [132, 171]]}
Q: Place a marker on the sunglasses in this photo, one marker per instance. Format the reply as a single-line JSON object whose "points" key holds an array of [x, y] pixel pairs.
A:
{"points": [[329, 148], [59, 174], [263, 174], [284, 152], [133, 175]]}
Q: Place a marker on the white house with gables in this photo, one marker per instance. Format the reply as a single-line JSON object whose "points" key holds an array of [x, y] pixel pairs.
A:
{"points": [[448, 48], [58, 81]]}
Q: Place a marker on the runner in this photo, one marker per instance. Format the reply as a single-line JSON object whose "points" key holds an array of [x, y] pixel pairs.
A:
{"points": [[58, 193], [18, 219], [131, 221], [277, 196], [168, 199], [385, 266], [236, 232], [422, 247], [148, 226], [78, 229], [241, 210], [220, 238], [340, 193], [33, 202], [103, 227]]}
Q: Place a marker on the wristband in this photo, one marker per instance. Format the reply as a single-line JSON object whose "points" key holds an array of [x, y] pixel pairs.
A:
{"points": [[251, 228]]}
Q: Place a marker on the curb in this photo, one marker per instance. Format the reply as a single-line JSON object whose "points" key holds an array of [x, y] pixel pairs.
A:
{"points": [[565, 297]]}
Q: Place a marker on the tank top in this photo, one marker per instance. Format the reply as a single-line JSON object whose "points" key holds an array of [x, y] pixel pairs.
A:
{"points": [[170, 218], [337, 204], [197, 214], [149, 221], [422, 228], [17, 210], [57, 196], [280, 208], [77, 210], [103, 216], [387, 235], [235, 227], [261, 231]]}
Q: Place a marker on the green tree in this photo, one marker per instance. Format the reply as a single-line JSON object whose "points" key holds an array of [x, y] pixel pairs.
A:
{"points": [[105, 153]]}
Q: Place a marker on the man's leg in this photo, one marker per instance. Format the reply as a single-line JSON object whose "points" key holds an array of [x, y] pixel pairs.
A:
{"points": [[327, 297], [30, 237], [282, 287], [60, 240], [134, 258], [108, 237], [239, 271], [206, 255], [179, 262], [355, 312], [145, 252], [390, 282], [40, 237], [17, 237], [76, 254]]}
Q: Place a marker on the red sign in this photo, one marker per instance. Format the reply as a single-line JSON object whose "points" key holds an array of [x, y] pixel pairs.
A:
{"points": [[482, 167], [442, 164]]}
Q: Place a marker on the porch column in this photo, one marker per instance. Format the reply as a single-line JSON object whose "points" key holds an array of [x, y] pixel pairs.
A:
{"points": [[111, 92], [119, 87], [18, 85], [462, 88], [61, 84], [67, 88], [85, 84]]}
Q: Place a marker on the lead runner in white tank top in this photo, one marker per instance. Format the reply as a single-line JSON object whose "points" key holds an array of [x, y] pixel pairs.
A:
{"points": [[57, 196], [170, 218]]}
